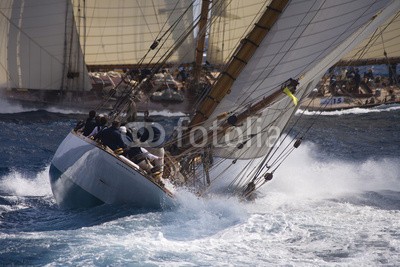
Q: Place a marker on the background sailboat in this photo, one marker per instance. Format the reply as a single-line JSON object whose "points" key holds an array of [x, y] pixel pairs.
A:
{"points": [[48, 47], [379, 55], [40, 47]]}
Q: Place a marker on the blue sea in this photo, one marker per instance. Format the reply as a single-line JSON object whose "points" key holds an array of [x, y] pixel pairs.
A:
{"points": [[334, 202]]}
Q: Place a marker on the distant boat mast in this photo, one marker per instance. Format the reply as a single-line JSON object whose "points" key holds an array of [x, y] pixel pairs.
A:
{"points": [[201, 38]]}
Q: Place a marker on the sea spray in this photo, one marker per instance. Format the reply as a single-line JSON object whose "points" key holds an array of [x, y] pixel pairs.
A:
{"points": [[16, 183], [6, 107], [304, 174], [296, 220], [351, 111]]}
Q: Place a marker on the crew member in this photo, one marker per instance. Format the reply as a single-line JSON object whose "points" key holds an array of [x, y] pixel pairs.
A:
{"points": [[111, 137]]}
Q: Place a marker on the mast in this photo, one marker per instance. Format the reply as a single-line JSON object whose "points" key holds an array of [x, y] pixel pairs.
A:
{"points": [[18, 48], [239, 60], [201, 38]]}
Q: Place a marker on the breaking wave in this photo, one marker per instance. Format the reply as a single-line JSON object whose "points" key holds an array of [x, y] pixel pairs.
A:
{"points": [[17, 184], [304, 174], [8, 108]]}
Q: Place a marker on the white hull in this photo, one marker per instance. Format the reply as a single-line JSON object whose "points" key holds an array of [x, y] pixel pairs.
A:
{"points": [[84, 175]]}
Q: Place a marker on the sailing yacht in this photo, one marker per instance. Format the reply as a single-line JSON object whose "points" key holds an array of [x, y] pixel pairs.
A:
{"points": [[340, 90], [232, 142]]}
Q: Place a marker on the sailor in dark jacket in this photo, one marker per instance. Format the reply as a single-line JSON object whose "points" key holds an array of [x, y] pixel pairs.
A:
{"points": [[111, 137], [90, 123]]}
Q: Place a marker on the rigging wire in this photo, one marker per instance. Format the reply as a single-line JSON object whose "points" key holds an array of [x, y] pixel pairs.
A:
{"points": [[266, 74], [321, 52], [162, 60], [284, 156]]}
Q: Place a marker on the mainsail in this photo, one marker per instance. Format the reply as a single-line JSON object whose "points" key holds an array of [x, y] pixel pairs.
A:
{"points": [[121, 32], [229, 21], [307, 33], [381, 47]]}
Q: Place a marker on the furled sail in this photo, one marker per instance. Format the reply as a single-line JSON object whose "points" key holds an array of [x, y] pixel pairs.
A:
{"points": [[230, 20], [307, 34], [121, 32], [42, 48], [386, 38]]}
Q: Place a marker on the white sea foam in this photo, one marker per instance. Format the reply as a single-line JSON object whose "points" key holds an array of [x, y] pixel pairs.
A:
{"points": [[65, 110], [164, 113], [299, 220], [8, 108], [18, 184], [382, 108], [302, 174], [295, 223]]}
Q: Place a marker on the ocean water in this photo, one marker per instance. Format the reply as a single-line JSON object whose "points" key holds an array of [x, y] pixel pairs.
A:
{"points": [[334, 202]]}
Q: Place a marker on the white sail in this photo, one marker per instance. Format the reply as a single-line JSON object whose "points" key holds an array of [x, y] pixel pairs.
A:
{"points": [[5, 9], [122, 31], [230, 20], [304, 36], [42, 49], [385, 38]]}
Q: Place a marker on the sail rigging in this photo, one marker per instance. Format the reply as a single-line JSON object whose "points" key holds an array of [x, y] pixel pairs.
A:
{"points": [[308, 38], [49, 44], [385, 39], [38, 55], [242, 116], [120, 32], [288, 50], [231, 20], [239, 61]]}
